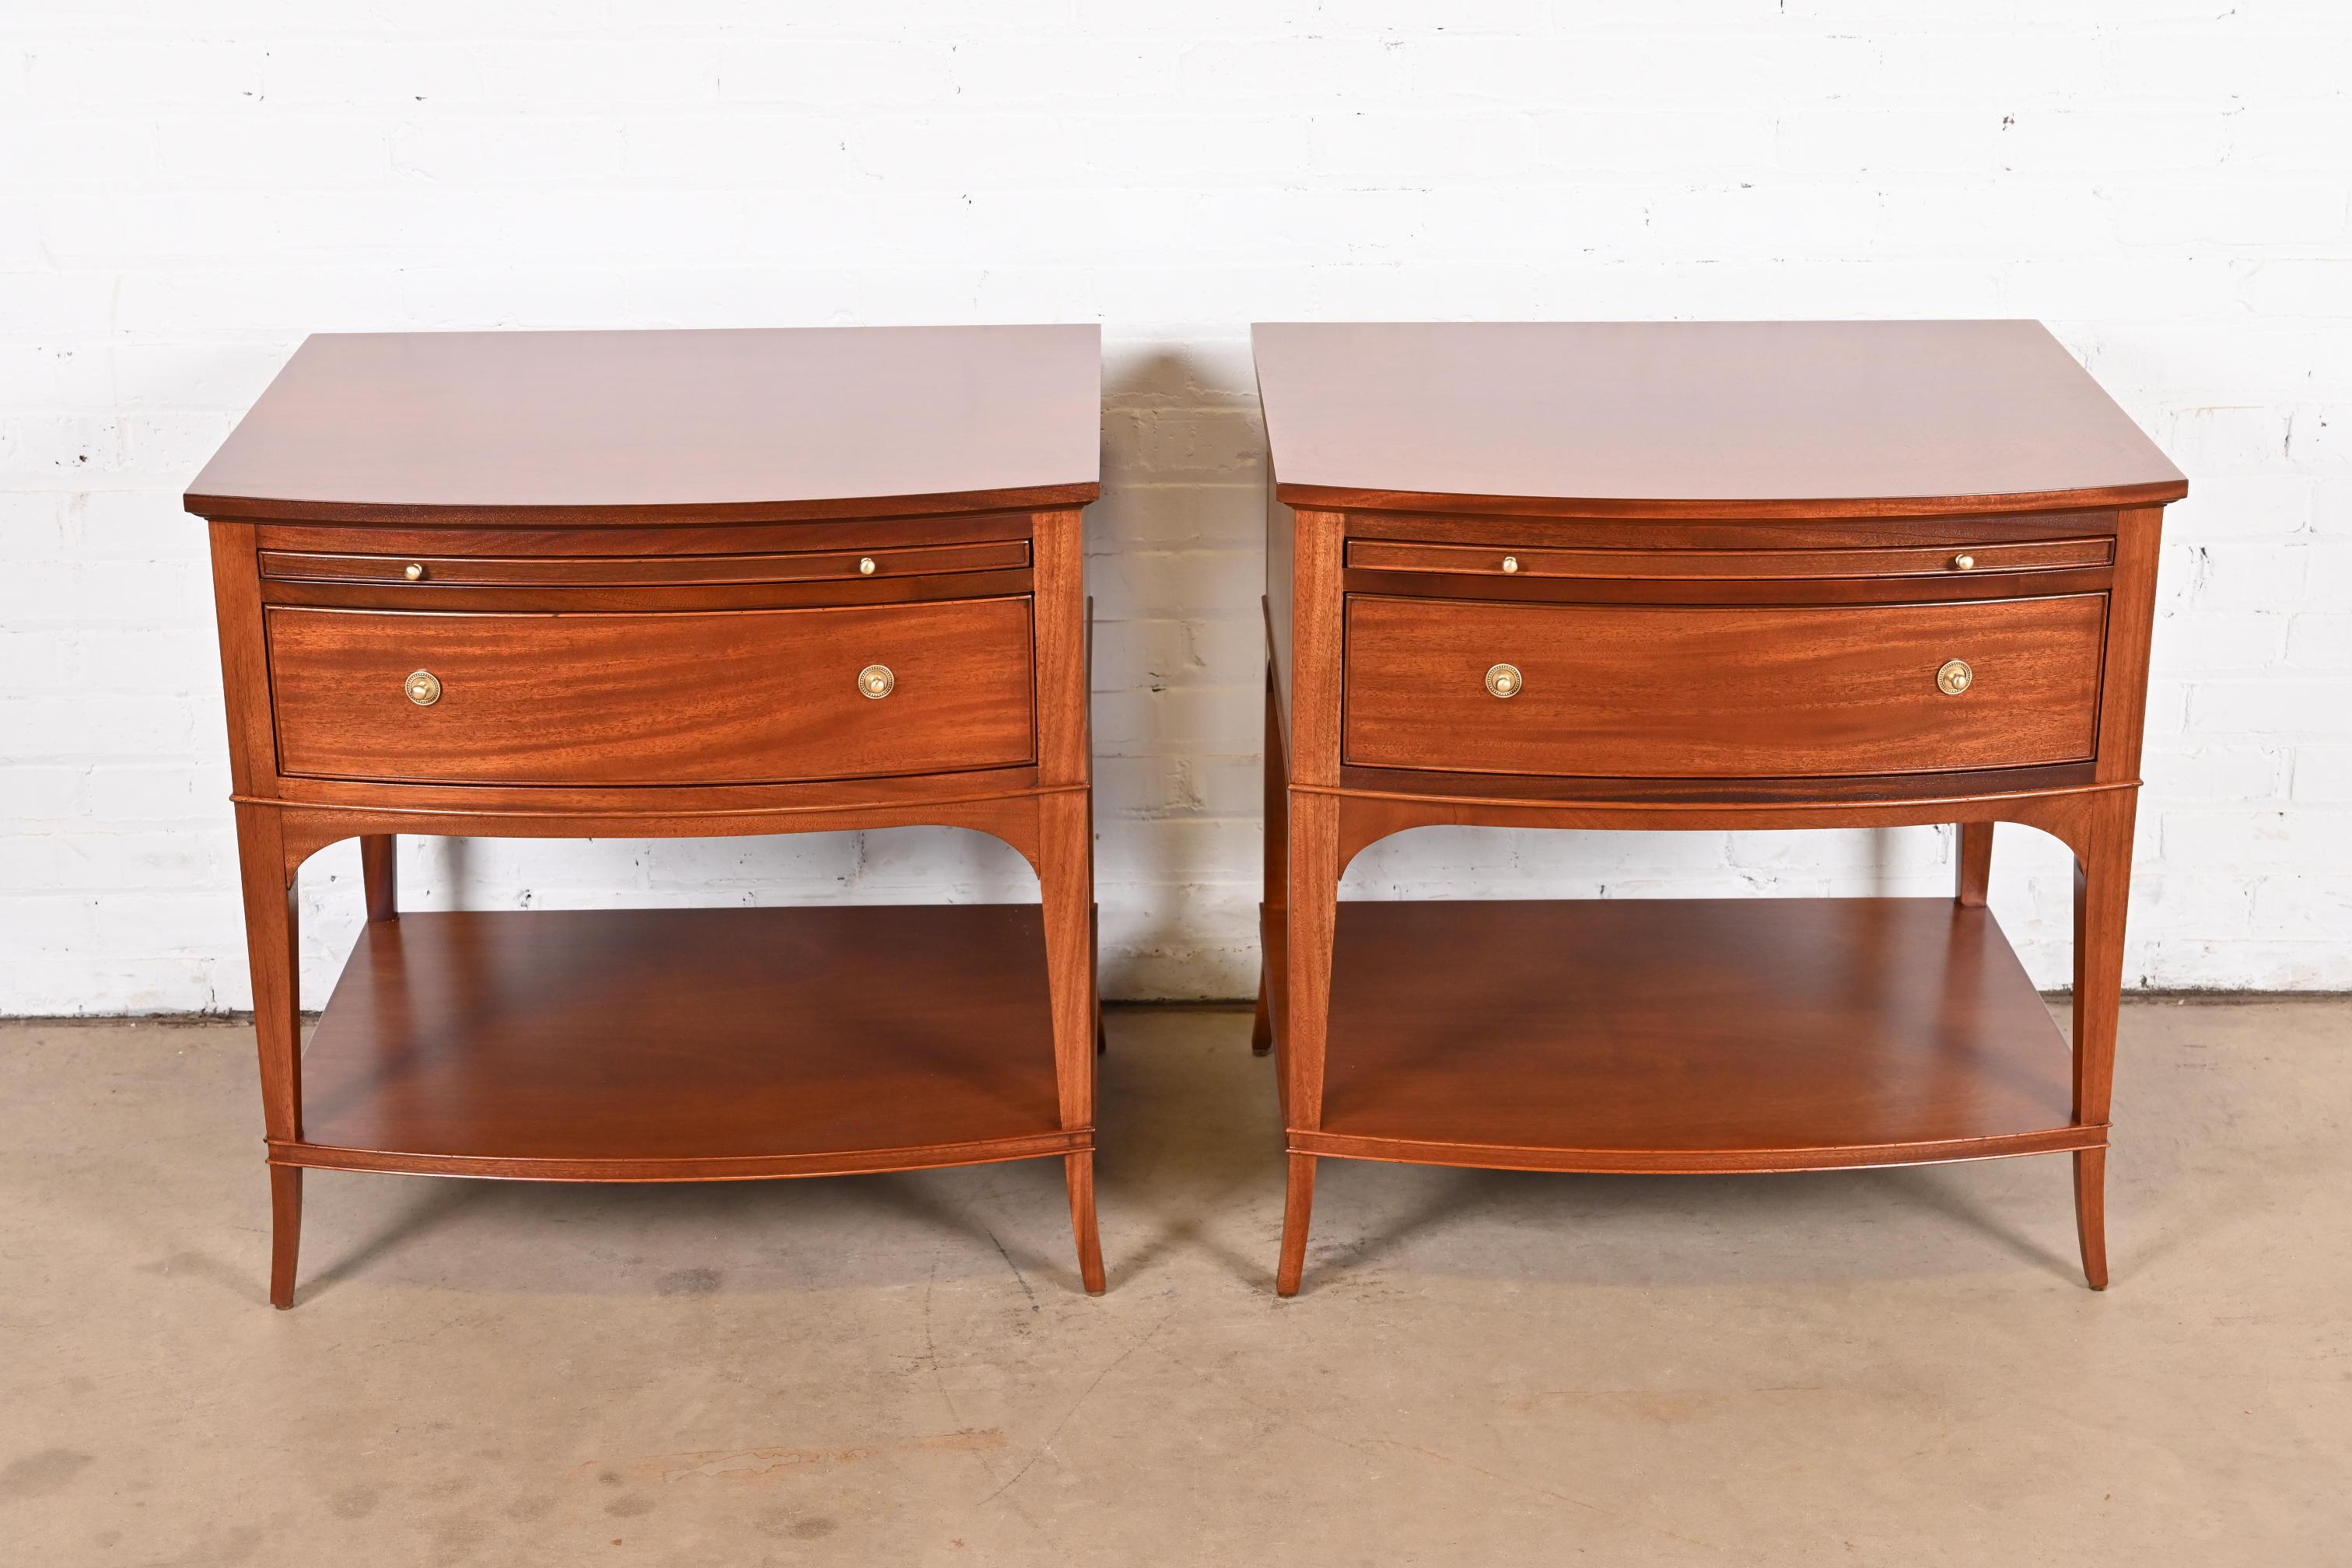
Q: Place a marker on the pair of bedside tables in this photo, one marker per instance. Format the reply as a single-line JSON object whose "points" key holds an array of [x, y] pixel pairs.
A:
{"points": [[1694, 576]]}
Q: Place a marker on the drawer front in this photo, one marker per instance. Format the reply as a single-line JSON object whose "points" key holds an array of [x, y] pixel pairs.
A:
{"points": [[596, 571], [1732, 565], [1660, 691], [753, 697]]}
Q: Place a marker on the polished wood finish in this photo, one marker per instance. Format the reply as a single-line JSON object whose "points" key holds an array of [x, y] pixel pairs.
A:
{"points": [[1877, 561], [734, 425], [505, 571], [678, 1045], [1689, 1034], [1704, 419], [754, 697], [640, 585], [1739, 555], [1690, 691]]}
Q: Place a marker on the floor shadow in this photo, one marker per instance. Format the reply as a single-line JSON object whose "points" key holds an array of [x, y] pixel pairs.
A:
{"points": [[446, 1201]]}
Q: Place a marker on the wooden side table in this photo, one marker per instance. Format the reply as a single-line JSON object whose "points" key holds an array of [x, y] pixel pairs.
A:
{"points": [[1697, 577], [588, 584]]}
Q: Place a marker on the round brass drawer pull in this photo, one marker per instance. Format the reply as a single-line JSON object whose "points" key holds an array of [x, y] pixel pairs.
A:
{"points": [[424, 687], [1510, 563], [877, 681], [866, 566], [414, 571], [1964, 562], [1505, 681], [1955, 677]]}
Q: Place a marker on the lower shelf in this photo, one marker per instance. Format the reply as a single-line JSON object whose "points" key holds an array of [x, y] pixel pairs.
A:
{"points": [[675, 1045], [1687, 1035]]}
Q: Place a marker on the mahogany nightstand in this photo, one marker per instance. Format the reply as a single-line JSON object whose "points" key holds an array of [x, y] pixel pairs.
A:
{"points": [[593, 585], [1698, 576]]}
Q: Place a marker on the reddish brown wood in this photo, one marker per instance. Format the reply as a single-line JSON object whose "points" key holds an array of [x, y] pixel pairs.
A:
{"points": [[2103, 847], [666, 426], [2124, 715], [1661, 590], [1882, 561], [1316, 641], [1281, 590], [636, 562], [1695, 419], [285, 1232], [1672, 692], [1802, 534], [606, 571], [998, 801], [584, 598], [2090, 1213], [653, 699], [1728, 803], [1298, 1213], [245, 667], [1734, 544], [1974, 855], [1691, 1034], [273, 943], [664, 1044], [380, 872], [525, 537], [1078, 1171], [1277, 873]]}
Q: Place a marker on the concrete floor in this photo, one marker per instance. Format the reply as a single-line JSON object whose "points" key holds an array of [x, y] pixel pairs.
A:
{"points": [[1882, 1367]]}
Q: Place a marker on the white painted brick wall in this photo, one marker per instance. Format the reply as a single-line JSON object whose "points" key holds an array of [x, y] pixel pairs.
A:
{"points": [[189, 188]]}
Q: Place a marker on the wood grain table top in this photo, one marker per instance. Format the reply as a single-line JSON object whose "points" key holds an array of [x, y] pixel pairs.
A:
{"points": [[1695, 419], [753, 425]]}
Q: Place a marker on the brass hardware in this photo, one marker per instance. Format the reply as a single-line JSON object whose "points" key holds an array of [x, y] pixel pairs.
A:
{"points": [[1510, 563], [1505, 681], [1955, 677], [1964, 562], [424, 687], [866, 566], [877, 681]]}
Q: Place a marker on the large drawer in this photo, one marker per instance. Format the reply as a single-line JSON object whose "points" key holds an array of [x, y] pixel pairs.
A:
{"points": [[747, 697], [1674, 692]]}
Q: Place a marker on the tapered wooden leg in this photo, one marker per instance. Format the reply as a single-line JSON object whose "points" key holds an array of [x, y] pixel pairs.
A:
{"points": [[2090, 1213], [2102, 890], [285, 1232], [1080, 1171], [271, 935], [1276, 894], [1066, 880], [1312, 929], [1975, 863], [380, 871], [1297, 1209]]}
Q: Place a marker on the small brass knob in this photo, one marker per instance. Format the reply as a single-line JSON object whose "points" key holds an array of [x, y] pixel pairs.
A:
{"points": [[414, 571], [1964, 562], [866, 566], [424, 687], [1955, 677], [877, 681], [1505, 681], [1510, 563]]}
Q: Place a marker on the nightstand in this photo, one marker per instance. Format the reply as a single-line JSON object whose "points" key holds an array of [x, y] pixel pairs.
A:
{"points": [[666, 584], [1696, 576]]}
